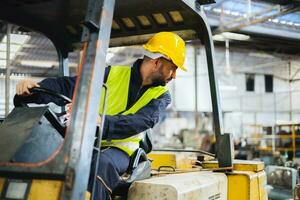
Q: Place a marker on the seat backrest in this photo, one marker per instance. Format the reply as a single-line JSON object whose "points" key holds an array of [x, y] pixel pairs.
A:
{"points": [[139, 166], [146, 142]]}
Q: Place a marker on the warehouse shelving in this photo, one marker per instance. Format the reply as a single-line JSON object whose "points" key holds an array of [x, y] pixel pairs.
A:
{"points": [[283, 139]]}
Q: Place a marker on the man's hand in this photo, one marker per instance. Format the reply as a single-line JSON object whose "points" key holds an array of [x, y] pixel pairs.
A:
{"points": [[99, 120], [68, 115], [22, 88], [66, 118]]}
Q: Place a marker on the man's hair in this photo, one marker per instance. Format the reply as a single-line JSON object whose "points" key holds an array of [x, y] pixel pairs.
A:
{"points": [[146, 58]]}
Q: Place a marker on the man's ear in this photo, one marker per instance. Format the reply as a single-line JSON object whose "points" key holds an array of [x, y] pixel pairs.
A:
{"points": [[156, 63]]}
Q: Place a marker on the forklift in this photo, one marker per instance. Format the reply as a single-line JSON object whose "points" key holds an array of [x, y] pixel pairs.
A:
{"points": [[95, 25]]}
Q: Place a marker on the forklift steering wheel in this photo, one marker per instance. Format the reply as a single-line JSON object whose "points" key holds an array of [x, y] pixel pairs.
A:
{"points": [[37, 90], [52, 117], [51, 92]]}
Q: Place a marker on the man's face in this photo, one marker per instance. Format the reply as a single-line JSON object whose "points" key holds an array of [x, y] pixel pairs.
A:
{"points": [[164, 72]]}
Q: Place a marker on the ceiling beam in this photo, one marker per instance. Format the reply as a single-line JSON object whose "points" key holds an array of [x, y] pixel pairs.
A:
{"points": [[256, 18], [36, 71]]}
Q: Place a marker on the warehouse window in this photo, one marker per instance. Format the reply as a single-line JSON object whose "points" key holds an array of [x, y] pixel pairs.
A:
{"points": [[250, 82], [269, 83]]}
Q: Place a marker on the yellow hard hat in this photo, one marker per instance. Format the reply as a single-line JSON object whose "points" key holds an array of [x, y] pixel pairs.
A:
{"points": [[170, 45]]}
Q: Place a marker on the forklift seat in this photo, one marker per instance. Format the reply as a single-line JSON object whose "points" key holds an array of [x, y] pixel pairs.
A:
{"points": [[139, 168]]}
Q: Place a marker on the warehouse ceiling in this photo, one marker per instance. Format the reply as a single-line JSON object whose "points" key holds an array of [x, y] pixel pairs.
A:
{"points": [[272, 26]]}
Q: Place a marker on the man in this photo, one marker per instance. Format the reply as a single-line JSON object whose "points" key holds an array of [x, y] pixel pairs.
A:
{"points": [[137, 96]]}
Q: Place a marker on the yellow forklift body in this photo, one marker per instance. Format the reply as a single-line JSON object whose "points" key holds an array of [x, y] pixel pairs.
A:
{"points": [[1, 184], [48, 189], [247, 185], [239, 165], [247, 181], [162, 159]]}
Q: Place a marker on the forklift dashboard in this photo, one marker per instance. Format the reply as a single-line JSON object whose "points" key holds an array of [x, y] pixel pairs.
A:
{"points": [[34, 133]]}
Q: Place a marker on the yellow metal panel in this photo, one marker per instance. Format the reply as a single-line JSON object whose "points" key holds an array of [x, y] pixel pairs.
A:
{"points": [[162, 159], [254, 187], [242, 191], [251, 185], [45, 189], [1, 184], [87, 195], [239, 165], [262, 178]]}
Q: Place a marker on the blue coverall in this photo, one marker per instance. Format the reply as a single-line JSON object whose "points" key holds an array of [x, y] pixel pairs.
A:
{"points": [[112, 161]]}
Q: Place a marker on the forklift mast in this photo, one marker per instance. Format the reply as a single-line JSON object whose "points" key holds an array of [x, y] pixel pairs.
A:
{"points": [[94, 25]]}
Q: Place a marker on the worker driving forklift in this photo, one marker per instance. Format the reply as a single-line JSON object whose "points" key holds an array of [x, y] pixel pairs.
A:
{"points": [[136, 99]]}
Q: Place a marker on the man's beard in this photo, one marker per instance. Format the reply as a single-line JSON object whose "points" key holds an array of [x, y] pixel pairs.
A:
{"points": [[158, 82], [158, 79]]}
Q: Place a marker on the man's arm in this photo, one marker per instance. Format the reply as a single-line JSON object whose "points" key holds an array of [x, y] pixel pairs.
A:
{"points": [[62, 85], [124, 126]]}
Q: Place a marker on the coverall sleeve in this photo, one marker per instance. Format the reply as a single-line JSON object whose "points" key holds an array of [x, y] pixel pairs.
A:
{"points": [[123, 126], [63, 85]]}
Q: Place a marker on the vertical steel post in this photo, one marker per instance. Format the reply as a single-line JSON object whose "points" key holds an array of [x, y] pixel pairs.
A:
{"points": [[196, 89], [227, 57], [7, 76], [290, 91], [86, 102], [224, 141], [64, 67], [249, 10]]}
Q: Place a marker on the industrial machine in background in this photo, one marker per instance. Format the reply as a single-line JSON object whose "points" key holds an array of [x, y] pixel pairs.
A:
{"points": [[281, 182]]}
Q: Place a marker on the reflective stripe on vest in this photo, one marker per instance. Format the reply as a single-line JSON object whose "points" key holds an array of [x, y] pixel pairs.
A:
{"points": [[118, 87]]}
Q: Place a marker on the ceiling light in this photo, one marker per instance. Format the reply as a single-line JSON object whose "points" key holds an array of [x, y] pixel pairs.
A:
{"points": [[16, 43], [37, 63], [227, 12], [47, 64], [16, 38], [230, 36], [13, 47], [218, 37], [2, 63], [235, 13], [3, 55], [282, 22], [260, 55], [218, 10]]}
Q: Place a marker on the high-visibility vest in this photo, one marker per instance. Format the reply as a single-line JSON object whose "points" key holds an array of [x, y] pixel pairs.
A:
{"points": [[117, 97]]}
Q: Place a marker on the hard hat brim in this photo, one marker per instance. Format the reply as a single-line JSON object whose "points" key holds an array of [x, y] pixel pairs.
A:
{"points": [[153, 54]]}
